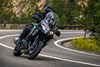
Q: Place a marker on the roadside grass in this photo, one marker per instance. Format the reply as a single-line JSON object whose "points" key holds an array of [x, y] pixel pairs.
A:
{"points": [[88, 44]]}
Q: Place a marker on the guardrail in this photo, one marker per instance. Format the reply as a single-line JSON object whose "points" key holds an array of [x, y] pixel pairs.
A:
{"points": [[72, 27], [12, 26], [21, 26]]}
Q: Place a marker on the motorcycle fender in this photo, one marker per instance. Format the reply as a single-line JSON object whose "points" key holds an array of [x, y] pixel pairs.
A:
{"points": [[17, 41]]}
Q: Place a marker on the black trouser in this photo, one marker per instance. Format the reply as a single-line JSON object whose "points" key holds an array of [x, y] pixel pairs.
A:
{"points": [[26, 30]]}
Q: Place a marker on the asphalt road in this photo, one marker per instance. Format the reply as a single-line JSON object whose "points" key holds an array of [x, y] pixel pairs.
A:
{"points": [[50, 56]]}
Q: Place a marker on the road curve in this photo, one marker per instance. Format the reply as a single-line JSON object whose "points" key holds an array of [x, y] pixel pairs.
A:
{"points": [[50, 56]]}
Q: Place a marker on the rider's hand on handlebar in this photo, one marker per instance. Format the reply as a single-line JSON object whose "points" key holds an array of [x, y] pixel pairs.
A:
{"points": [[37, 9], [57, 33]]}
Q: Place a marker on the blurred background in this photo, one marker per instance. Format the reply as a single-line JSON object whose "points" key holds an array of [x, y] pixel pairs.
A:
{"points": [[72, 14]]}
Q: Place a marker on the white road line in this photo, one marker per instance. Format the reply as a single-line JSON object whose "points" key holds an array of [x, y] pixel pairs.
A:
{"points": [[49, 56], [9, 36], [90, 64], [66, 39], [6, 46]]}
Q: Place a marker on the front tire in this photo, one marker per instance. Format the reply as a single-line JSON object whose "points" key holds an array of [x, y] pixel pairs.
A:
{"points": [[36, 51], [16, 51]]}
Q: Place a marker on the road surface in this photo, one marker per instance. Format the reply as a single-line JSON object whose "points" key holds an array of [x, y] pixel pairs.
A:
{"points": [[50, 56]]}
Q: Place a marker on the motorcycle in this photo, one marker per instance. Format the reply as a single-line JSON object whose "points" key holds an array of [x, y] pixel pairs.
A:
{"points": [[37, 38]]}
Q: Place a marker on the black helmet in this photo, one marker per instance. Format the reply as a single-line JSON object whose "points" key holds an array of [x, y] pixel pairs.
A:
{"points": [[48, 9]]}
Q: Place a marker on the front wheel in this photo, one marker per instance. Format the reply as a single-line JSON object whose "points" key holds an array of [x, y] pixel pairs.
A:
{"points": [[16, 51], [36, 50]]}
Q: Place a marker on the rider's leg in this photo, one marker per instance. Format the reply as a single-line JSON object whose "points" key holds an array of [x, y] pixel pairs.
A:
{"points": [[25, 31], [24, 34]]}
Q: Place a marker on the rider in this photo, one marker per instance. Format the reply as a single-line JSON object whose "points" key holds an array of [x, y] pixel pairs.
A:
{"points": [[42, 15], [39, 8]]}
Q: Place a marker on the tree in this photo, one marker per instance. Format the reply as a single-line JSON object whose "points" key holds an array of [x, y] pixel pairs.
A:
{"points": [[68, 8], [6, 11], [16, 11], [91, 18], [59, 6], [63, 20], [24, 9]]}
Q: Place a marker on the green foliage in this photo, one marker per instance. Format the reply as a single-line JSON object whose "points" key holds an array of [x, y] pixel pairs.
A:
{"points": [[68, 11], [7, 14], [63, 20], [26, 19], [72, 11], [66, 8], [91, 17], [5, 11], [86, 44], [99, 50], [59, 6]]}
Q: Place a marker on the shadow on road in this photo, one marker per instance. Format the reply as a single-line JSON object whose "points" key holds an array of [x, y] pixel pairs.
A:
{"points": [[38, 58]]}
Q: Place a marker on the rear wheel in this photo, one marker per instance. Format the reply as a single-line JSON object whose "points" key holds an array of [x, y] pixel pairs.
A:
{"points": [[36, 50], [16, 51]]}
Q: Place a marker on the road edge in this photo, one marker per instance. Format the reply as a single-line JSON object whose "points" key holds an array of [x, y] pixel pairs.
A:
{"points": [[67, 39]]}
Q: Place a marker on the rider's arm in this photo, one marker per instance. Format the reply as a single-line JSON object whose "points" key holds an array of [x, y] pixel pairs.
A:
{"points": [[41, 14], [38, 16]]}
